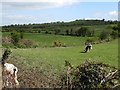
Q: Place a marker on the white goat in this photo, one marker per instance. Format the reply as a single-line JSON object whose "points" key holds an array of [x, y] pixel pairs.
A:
{"points": [[11, 74], [9, 70]]}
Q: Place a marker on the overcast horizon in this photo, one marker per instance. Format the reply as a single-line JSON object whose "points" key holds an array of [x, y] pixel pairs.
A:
{"points": [[64, 10]]}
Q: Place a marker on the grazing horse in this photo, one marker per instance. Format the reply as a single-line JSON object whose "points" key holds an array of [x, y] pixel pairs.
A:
{"points": [[9, 70]]}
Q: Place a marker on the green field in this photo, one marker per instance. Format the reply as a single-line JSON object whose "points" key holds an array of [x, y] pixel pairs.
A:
{"points": [[49, 62], [44, 40], [54, 57]]}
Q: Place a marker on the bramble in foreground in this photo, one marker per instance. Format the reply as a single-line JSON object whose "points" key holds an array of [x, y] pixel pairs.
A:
{"points": [[90, 75]]}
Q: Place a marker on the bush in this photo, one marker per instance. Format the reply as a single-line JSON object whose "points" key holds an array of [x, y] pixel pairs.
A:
{"points": [[25, 43], [15, 37], [104, 35], [82, 31], [59, 44], [114, 34], [90, 75]]}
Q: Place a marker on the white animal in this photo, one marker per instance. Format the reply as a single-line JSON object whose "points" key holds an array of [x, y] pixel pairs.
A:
{"points": [[11, 73], [9, 70]]}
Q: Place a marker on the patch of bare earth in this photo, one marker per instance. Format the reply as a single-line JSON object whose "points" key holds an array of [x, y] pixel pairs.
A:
{"points": [[34, 79]]}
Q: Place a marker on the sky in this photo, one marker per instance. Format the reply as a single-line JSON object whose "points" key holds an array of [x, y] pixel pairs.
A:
{"points": [[46, 11]]}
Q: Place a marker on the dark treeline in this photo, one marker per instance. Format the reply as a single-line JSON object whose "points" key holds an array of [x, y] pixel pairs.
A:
{"points": [[73, 28]]}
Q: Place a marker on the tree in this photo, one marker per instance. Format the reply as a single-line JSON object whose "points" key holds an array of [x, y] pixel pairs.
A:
{"points": [[82, 31], [71, 31], [57, 31], [115, 28], [114, 34], [119, 29], [67, 32], [89, 33], [46, 32], [21, 35], [39, 31], [104, 35], [15, 37], [103, 19]]}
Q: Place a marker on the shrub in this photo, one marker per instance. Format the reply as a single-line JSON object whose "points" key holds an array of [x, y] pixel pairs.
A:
{"points": [[104, 35], [114, 34], [90, 75], [21, 35], [15, 37], [25, 43], [82, 31], [59, 44], [6, 40]]}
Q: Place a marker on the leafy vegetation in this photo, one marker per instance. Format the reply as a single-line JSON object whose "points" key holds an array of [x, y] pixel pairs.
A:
{"points": [[90, 75], [61, 28], [43, 48]]}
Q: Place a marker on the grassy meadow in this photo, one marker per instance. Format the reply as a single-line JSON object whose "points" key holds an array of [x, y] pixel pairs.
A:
{"points": [[54, 57], [46, 63]]}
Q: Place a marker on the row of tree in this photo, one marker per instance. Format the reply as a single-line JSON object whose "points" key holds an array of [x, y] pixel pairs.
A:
{"points": [[82, 32], [55, 25]]}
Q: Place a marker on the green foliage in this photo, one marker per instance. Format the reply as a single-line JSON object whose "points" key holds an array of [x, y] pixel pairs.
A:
{"points": [[71, 32], [59, 27], [15, 37], [104, 35], [90, 33], [92, 40], [118, 29], [21, 35], [67, 32], [114, 34], [39, 31], [57, 31], [115, 28], [24, 43], [82, 31], [90, 75]]}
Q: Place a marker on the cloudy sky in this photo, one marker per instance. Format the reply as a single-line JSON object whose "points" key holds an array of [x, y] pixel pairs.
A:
{"points": [[44, 11]]}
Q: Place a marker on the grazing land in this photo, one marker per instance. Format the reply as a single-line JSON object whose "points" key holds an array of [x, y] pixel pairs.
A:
{"points": [[46, 62], [49, 62]]}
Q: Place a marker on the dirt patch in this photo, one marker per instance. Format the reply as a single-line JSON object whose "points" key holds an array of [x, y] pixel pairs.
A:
{"points": [[0, 77], [34, 79]]}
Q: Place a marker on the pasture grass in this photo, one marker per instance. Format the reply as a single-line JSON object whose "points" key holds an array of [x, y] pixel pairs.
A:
{"points": [[47, 40], [53, 58]]}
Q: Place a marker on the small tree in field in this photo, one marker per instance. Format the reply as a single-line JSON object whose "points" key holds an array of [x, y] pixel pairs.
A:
{"points": [[82, 31], [114, 34], [21, 35], [104, 35], [15, 37], [71, 31], [67, 32]]}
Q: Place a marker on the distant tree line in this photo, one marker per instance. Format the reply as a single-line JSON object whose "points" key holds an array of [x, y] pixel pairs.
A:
{"points": [[66, 28], [37, 28]]}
